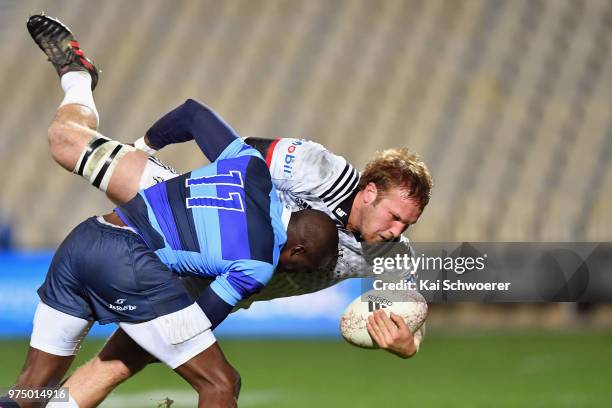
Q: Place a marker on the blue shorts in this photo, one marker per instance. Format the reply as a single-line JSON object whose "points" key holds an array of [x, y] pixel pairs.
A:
{"points": [[108, 274]]}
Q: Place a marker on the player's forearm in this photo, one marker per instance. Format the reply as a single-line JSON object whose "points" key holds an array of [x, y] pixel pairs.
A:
{"points": [[191, 121], [215, 308], [173, 127]]}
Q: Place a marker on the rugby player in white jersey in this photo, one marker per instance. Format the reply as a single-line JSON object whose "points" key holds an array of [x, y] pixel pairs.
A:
{"points": [[376, 206]]}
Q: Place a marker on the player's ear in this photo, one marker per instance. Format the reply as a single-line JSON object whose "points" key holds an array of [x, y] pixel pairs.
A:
{"points": [[297, 249], [370, 192]]}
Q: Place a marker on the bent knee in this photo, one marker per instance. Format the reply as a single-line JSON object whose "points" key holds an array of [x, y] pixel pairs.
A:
{"points": [[237, 382], [56, 134], [225, 381], [65, 144], [234, 381]]}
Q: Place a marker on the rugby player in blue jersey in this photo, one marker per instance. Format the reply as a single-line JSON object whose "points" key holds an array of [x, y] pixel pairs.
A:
{"points": [[223, 221], [378, 206]]}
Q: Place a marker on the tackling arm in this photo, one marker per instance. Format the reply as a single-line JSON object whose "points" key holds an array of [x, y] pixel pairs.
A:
{"points": [[245, 278], [192, 121], [298, 166]]}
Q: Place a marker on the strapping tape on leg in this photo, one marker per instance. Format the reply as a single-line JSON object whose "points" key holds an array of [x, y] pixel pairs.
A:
{"points": [[98, 161]]}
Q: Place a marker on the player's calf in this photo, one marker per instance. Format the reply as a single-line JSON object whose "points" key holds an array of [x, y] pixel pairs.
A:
{"points": [[56, 338], [119, 359], [222, 392], [41, 369]]}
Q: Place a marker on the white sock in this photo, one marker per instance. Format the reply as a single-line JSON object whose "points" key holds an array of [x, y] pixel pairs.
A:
{"points": [[77, 88], [70, 404]]}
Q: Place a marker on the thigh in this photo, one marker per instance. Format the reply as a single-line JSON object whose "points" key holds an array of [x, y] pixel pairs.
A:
{"points": [[56, 332], [174, 338], [125, 180], [136, 171], [122, 347]]}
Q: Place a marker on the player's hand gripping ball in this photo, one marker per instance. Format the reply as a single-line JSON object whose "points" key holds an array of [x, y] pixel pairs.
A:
{"points": [[410, 305]]}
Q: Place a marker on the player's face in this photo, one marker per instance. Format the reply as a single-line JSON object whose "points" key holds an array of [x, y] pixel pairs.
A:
{"points": [[386, 217]]}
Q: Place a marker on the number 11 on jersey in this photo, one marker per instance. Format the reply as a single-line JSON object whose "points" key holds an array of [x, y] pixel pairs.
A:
{"points": [[231, 202]]}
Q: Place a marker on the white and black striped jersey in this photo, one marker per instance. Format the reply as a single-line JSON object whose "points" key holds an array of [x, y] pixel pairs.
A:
{"points": [[307, 175]]}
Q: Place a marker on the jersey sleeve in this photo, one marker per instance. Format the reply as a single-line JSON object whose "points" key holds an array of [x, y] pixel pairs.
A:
{"points": [[307, 168], [244, 278], [193, 121]]}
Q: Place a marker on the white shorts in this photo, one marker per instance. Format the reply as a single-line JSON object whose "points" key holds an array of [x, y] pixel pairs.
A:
{"points": [[175, 338], [154, 172], [56, 332]]}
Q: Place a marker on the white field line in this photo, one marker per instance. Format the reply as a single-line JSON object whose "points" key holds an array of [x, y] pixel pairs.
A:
{"points": [[184, 399]]}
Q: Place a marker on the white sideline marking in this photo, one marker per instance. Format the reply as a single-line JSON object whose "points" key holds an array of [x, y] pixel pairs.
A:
{"points": [[184, 399]]}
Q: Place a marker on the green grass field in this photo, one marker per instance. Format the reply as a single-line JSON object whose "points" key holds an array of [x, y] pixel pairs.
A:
{"points": [[514, 369]]}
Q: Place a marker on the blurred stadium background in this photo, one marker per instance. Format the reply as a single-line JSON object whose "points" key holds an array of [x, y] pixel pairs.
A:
{"points": [[508, 102]]}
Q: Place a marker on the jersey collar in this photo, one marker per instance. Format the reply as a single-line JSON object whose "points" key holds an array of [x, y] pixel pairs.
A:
{"points": [[285, 217], [342, 212]]}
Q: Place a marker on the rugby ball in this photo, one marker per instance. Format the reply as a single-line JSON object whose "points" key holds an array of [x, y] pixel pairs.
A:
{"points": [[410, 305]]}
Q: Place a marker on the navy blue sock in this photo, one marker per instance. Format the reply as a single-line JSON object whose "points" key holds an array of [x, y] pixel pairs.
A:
{"points": [[6, 402]]}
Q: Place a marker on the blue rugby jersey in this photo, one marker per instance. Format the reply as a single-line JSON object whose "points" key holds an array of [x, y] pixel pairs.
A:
{"points": [[223, 220], [306, 175]]}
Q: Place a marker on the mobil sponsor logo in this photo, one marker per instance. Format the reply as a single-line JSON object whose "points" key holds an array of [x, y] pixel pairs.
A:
{"points": [[290, 154]]}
